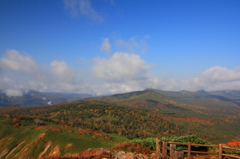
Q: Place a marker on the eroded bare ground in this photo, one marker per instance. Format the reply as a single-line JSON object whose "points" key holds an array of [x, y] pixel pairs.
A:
{"points": [[55, 151], [5, 140], [26, 150], [3, 153], [67, 146], [10, 153], [45, 149]]}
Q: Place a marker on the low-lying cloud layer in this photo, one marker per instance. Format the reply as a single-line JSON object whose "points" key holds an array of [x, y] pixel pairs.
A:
{"points": [[121, 72]]}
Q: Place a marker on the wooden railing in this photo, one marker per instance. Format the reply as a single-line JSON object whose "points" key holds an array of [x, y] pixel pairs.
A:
{"points": [[167, 150]]}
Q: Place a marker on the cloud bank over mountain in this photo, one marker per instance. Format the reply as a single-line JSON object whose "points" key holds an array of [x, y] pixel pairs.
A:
{"points": [[121, 72]]}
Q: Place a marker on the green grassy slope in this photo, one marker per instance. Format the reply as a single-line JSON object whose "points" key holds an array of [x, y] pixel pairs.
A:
{"points": [[31, 141]]}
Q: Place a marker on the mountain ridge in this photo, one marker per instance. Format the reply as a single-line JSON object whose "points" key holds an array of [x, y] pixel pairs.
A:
{"points": [[30, 98], [184, 99]]}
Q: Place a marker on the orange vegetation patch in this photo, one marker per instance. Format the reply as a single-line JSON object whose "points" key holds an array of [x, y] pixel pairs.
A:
{"points": [[97, 133], [133, 147], [234, 143], [49, 127], [192, 119]]}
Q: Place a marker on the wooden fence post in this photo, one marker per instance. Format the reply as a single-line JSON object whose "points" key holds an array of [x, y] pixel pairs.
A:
{"points": [[179, 154], [164, 151], [220, 151], [172, 150], [158, 148], [189, 150]]}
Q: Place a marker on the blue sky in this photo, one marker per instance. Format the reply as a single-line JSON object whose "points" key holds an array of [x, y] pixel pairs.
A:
{"points": [[115, 46]]}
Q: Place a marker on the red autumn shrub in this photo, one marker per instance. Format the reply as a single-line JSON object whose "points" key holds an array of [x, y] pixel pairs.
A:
{"points": [[234, 143]]}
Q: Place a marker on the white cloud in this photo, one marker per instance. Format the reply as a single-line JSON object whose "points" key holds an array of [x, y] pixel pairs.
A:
{"points": [[12, 92], [40, 85], [6, 81], [120, 67], [20, 72], [82, 7], [122, 72], [114, 88], [221, 74], [16, 62], [65, 73], [214, 78], [106, 46], [132, 45]]}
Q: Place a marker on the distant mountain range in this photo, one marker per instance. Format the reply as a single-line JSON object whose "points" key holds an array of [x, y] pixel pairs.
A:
{"points": [[215, 102], [230, 98], [31, 98]]}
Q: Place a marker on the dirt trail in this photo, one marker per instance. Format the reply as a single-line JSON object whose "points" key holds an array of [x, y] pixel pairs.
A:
{"points": [[45, 150]]}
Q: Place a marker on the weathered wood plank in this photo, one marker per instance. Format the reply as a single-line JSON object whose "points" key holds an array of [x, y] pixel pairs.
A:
{"points": [[158, 148]]}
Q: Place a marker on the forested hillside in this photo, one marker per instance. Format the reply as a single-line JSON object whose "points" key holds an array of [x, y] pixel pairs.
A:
{"points": [[129, 121]]}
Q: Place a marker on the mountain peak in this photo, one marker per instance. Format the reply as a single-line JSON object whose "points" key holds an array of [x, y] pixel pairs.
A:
{"points": [[202, 91], [149, 89]]}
